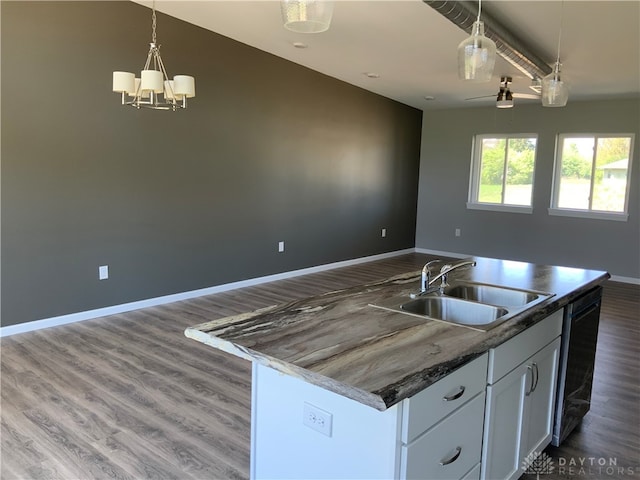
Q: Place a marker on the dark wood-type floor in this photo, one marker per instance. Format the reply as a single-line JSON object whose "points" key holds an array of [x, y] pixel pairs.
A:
{"points": [[128, 396]]}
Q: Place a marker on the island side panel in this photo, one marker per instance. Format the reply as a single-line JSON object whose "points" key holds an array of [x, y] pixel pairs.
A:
{"points": [[364, 442]]}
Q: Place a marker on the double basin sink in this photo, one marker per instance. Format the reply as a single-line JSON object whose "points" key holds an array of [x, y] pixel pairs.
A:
{"points": [[470, 304]]}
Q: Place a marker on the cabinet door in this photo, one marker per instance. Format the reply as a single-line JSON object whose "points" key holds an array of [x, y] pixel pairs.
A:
{"points": [[540, 403], [504, 417]]}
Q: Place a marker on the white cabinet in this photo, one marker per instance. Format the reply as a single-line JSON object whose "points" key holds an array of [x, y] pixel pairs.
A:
{"points": [[437, 433], [520, 398], [442, 426]]}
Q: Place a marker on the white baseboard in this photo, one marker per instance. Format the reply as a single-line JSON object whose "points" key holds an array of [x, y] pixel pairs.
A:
{"points": [[152, 302], [440, 252], [618, 278]]}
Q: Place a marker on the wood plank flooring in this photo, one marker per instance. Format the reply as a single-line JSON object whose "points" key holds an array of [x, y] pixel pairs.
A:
{"points": [[129, 397]]}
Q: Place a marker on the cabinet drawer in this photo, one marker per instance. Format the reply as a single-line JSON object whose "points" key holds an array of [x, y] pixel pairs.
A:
{"points": [[512, 353], [450, 449], [428, 407]]}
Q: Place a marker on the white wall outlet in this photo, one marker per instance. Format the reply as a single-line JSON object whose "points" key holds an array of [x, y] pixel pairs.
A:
{"points": [[103, 272], [280, 247], [384, 232], [458, 232], [317, 419]]}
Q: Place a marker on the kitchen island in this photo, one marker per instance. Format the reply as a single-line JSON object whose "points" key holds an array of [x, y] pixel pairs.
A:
{"points": [[351, 370]]}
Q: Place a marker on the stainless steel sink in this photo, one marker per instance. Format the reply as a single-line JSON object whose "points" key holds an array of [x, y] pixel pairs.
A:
{"points": [[447, 309], [469, 304], [492, 294], [454, 310]]}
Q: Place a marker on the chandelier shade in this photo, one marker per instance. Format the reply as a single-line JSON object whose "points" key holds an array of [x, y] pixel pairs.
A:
{"points": [[306, 16], [153, 89]]}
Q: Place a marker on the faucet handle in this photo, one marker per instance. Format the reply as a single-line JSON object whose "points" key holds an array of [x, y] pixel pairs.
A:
{"points": [[443, 277], [426, 275]]}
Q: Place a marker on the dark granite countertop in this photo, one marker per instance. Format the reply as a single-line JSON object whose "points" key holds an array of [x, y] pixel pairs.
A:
{"points": [[378, 357]]}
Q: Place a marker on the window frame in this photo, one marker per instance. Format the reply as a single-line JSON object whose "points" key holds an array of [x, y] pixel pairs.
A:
{"points": [[555, 210], [476, 167]]}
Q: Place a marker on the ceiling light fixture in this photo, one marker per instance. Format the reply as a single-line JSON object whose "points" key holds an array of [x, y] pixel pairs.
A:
{"points": [[154, 89], [555, 92], [505, 98], [306, 16], [476, 54]]}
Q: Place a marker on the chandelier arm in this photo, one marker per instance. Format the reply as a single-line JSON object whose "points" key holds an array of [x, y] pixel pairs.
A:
{"points": [[167, 85]]}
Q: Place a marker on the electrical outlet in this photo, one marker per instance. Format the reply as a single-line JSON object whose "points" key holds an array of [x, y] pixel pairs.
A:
{"points": [[317, 419], [103, 272], [280, 247], [458, 232], [384, 232]]}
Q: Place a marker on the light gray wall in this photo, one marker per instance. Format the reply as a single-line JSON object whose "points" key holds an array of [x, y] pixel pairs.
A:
{"points": [[267, 151], [444, 179]]}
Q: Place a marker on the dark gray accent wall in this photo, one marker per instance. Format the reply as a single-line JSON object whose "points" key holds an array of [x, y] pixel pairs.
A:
{"points": [[538, 237], [267, 151]]}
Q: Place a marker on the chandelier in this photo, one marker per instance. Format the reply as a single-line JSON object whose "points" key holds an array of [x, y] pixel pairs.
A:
{"points": [[154, 89]]}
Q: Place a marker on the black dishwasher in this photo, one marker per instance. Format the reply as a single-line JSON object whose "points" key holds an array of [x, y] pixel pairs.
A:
{"points": [[577, 361]]}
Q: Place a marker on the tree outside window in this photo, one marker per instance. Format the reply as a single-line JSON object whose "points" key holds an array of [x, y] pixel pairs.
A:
{"points": [[503, 170], [592, 172]]}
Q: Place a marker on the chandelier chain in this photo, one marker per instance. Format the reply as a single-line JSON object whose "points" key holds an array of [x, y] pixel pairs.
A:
{"points": [[153, 24]]}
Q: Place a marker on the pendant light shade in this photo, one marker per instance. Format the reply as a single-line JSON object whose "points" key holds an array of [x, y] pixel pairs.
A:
{"points": [[555, 92], [476, 54], [307, 16]]}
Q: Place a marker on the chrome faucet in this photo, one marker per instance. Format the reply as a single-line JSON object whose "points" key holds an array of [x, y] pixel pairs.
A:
{"points": [[427, 279]]}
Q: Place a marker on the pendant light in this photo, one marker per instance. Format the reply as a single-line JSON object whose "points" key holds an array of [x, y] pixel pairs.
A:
{"points": [[154, 89], [476, 54], [555, 92], [306, 16]]}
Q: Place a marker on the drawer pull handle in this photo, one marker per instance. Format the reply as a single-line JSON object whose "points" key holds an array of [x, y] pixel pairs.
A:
{"points": [[454, 396], [453, 457]]}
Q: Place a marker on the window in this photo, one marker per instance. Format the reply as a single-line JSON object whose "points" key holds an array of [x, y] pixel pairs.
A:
{"points": [[502, 170], [592, 175]]}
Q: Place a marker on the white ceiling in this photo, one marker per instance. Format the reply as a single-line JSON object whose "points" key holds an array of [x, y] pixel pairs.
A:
{"points": [[413, 48]]}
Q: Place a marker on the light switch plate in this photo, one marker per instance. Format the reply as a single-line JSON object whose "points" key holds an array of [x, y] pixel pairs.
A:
{"points": [[103, 272]]}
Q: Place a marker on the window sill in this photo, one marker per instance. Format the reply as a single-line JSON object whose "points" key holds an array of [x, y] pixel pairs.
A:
{"points": [[494, 207], [565, 212]]}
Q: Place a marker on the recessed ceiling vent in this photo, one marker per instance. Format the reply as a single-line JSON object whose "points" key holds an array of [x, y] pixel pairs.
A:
{"points": [[464, 13]]}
